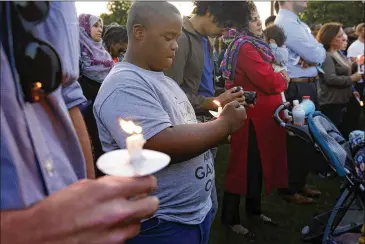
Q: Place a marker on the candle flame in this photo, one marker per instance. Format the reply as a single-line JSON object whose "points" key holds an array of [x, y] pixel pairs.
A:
{"points": [[217, 103], [361, 103], [129, 127], [38, 85]]}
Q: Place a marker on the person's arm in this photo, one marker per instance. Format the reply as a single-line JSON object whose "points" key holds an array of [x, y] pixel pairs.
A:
{"points": [[181, 142], [260, 73], [73, 96], [330, 77], [306, 46], [84, 139]]}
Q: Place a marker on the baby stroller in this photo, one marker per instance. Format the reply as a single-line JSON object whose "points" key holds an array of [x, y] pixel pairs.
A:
{"points": [[347, 160]]}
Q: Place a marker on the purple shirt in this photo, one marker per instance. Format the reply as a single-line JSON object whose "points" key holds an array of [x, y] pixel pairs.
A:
{"points": [[40, 151]]}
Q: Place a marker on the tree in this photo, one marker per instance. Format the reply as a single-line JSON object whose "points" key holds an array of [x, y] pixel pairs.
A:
{"points": [[118, 12], [349, 13]]}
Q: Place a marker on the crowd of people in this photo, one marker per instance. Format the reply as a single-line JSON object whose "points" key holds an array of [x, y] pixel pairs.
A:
{"points": [[65, 82]]}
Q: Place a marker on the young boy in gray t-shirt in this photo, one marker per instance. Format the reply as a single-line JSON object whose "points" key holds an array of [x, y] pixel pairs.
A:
{"points": [[137, 89]]}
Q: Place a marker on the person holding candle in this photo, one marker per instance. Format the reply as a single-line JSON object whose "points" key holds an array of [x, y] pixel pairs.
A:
{"points": [[335, 86], [193, 65], [45, 197], [355, 50], [137, 90]]}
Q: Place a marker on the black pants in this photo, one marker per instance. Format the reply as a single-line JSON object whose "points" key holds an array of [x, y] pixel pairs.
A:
{"points": [[336, 113], [90, 89], [231, 201], [301, 155]]}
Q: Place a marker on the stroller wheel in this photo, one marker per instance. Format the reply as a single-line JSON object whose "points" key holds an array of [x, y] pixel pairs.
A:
{"points": [[305, 230]]}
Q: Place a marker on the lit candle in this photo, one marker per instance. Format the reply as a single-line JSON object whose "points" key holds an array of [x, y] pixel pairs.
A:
{"points": [[359, 101], [135, 142], [218, 113], [360, 64]]}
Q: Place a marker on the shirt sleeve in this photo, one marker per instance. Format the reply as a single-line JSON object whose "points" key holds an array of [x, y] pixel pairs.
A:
{"points": [[137, 103], [260, 73], [304, 44], [73, 95]]}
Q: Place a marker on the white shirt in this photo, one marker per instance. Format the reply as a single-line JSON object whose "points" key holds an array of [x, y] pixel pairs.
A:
{"points": [[355, 49]]}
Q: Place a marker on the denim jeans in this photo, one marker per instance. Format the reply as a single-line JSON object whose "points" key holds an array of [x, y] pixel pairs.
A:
{"points": [[159, 231]]}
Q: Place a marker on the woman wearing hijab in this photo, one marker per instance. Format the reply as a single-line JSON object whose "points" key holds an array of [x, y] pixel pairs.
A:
{"points": [[95, 61], [258, 149], [95, 65]]}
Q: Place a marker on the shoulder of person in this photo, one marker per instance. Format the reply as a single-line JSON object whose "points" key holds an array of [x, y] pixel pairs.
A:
{"points": [[123, 76], [184, 41]]}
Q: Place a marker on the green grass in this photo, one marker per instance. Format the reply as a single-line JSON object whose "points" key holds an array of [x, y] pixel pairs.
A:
{"points": [[291, 217]]}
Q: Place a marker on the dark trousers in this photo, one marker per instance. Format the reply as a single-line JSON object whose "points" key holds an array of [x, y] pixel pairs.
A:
{"points": [[159, 231], [90, 89], [336, 113], [300, 153], [231, 201]]}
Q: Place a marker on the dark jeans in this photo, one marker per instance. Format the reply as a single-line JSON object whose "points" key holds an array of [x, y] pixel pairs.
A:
{"points": [[231, 201], [159, 231]]}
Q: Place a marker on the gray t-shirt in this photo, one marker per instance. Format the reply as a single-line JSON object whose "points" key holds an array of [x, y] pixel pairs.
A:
{"points": [[156, 102]]}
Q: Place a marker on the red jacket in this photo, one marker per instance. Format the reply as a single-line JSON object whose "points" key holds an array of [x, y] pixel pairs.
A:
{"points": [[254, 74]]}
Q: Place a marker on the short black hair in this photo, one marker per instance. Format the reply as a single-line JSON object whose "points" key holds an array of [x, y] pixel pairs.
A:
{"points": [[225, 13], [106, 27], [270, 20], [276, 33], [146, 13], [115, 34]]}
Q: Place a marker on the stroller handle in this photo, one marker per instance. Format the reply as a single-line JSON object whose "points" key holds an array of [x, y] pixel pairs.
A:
{"points": [[277, 118]]}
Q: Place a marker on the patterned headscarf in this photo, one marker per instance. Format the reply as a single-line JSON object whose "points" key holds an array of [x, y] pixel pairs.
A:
{"points": [[96, 62], [229, 62]]}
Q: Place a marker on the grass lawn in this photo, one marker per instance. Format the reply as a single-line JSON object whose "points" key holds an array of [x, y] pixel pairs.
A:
{"points": [[292, 218]]}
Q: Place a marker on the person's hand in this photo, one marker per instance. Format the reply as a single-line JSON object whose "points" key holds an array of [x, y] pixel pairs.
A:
{"points": [[303, 64], [234, 114], [356, 94], [229, 96], [89, 211], [285, 74], [356, 77]]}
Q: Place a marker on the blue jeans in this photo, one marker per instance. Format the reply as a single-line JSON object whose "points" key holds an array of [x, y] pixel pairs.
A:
{"points": [[159, 231]]}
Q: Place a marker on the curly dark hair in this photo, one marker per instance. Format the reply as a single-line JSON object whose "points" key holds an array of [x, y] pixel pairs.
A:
{"points": [[115, 34], [226, 14], [276, 33]]}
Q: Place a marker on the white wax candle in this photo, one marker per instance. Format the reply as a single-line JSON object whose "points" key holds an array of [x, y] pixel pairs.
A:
{"points": [[135, 144], [219, 111], [359, 66]]}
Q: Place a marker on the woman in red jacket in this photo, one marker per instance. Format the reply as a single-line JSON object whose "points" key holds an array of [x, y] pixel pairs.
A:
{"points": [[258, 149]]}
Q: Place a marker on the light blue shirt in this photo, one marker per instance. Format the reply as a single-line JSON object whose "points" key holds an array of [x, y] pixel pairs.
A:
{"points": [[40, 151], [300, 41]]}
